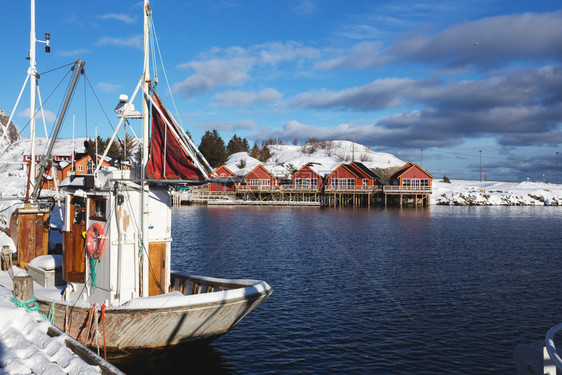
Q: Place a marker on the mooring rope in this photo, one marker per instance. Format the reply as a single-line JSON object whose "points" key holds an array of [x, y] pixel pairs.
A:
{"points": [[31, 305]]}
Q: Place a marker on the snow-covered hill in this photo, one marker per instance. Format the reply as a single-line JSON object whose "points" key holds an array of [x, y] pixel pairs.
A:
{"points": [[325, 155], [12, 171]]}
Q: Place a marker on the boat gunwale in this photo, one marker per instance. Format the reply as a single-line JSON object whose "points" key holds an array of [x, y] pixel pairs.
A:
{"points": [[254, 295]]}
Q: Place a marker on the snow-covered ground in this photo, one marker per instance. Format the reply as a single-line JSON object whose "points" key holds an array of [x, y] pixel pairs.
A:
{"points": [[460, 192], [12, 170], [26, 348]]}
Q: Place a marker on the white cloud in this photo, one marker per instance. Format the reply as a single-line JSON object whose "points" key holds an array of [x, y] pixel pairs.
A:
{"points": [[118, 17], [212, 73], [238, 99], [233, 66], [74, 53], [108, 87], [305, 7], [135, 41], [230, 126], [49, 116]]}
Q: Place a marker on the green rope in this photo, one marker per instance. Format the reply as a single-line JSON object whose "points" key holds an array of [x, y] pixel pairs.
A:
{"points": [[51, 315], [93, 268], [31, 305]]}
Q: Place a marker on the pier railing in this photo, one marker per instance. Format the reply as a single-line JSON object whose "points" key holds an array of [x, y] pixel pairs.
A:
{"points": [[348, 188], [409, 189]]}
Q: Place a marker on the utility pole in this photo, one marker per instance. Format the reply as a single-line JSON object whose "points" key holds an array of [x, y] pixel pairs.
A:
{"points": [[556, 167], [421, 157], [353, 147], [480, 165]]}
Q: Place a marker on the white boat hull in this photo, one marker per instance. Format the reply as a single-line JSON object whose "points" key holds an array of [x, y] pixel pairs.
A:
{"points": [[128, 330]]}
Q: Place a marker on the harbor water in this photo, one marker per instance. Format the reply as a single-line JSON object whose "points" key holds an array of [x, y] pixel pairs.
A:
{"points": [[397, 291]]}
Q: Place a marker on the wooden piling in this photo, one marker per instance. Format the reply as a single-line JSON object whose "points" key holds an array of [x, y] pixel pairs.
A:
{"points": [[23, 288]]}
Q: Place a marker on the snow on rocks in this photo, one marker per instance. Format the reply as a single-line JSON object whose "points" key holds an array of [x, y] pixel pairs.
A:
{"points": [[475, 193]]}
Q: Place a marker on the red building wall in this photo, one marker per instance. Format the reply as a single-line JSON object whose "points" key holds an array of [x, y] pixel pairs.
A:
{"points": [[306, 172], [343, 173], [415, 173], [223, 172], [257, 177]]}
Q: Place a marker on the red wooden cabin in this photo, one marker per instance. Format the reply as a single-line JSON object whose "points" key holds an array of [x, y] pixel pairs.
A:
{"points": [[260, 178], [411, 177], [353, 176], [225, 180], [307, 178]]}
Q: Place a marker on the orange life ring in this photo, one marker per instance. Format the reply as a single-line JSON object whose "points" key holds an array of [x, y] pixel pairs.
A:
{"points": [[95, 240]]}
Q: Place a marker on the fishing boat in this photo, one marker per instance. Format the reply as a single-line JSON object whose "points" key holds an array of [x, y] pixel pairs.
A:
{"points": [[115, 285]]}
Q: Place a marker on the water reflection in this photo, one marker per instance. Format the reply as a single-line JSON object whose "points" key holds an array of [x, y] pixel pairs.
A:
{"points": [[439, 289]]}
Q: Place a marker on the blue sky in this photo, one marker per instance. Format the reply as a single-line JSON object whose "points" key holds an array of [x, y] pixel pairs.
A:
{"points": [[439, 83]]}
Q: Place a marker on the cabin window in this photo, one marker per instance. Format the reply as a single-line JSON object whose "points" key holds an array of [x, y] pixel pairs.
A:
{"points": [[91, 166], [424, 182], [365, 182], [298, 181], [406, 182], [350, 182], [80, 168], [265, 182], [79, 210], [253, 182], [223, 174], [98, 208], [416, 183]]}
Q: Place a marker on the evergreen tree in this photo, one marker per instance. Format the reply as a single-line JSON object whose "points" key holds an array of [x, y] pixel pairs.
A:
{"points": [[264, 153], [255, 151], [236, 144], [129, 148], [212, 148], [114, 150]]}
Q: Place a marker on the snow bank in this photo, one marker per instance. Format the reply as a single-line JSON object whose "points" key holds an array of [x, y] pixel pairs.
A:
{"points": [[491, 193], [28, 349]]}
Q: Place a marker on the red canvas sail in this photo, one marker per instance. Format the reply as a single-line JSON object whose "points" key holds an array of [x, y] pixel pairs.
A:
{"points": [[168, 160]]}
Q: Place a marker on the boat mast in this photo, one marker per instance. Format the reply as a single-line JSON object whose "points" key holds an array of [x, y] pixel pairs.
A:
{"points": [[32, 72], [144, 155]]}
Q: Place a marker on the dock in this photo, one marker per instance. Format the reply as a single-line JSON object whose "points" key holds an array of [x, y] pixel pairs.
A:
{"points": [[353, 196]]}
